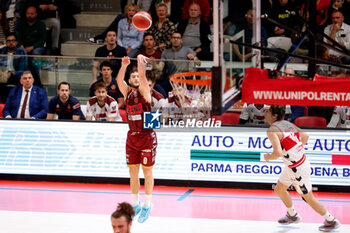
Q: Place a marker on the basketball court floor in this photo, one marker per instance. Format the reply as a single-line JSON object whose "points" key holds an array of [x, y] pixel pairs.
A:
{"points": [[42, 207]]}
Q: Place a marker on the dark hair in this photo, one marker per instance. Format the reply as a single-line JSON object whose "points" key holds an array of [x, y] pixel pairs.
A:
{"points": [[133, 70], [11, 34], [150, 76], [148, 34], [100, 85], [320, 50], [124, 209], [278, 110], [63, 83], [106, 63], [336, 11], [177, 32]]}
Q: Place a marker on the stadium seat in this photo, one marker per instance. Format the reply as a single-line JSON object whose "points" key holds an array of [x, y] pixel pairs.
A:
{"points": [[311, 121], [228, 118], [1, 108], [123, 114]]}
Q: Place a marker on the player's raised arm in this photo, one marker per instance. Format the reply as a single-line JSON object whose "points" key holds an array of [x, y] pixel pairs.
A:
{"points": [[123, 87], [144, 87]]}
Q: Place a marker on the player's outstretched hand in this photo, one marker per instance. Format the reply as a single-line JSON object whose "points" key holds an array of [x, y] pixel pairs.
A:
{"points": [[142, 59], [266, 157], [125, 61]]}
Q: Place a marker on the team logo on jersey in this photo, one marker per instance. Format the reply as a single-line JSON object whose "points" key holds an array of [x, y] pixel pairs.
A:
{"points": [[151, 120], [113, 87], [136, 100]]}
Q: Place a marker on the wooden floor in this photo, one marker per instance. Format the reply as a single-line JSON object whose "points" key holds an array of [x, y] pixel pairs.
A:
{"points": [[38, 207]]}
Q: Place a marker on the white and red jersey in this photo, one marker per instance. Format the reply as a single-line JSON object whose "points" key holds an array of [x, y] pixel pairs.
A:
{"points": [[101, 113], [158, 101], [293, 148], [253, 115], [340, 117]]}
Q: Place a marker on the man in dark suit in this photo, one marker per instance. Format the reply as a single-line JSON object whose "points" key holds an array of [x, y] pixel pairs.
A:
{"points": [[26, 100]]}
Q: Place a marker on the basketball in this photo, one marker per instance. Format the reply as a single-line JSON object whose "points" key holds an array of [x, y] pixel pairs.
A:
{"points": [[142, 20]]}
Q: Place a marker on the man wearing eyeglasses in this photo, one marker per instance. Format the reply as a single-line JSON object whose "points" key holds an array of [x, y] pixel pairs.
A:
{"points": [[177, 52], [12, 66]]}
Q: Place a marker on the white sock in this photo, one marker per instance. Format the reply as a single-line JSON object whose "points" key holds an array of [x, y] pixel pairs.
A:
{"points": [[328, 217], [135, 199], [148, 200], [291, 211]]}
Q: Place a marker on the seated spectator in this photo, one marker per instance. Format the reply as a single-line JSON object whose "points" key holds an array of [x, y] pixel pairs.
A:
{"points": [[335, 5], [174, 14], [247, 26], [111, 84], [102, 107], [32, 33], [163, 28], [204, 6], [252, 114], [111, 50], [26, 100], [150, 52], [14, 66], [340, 118], [144, 5], [64, 105], [176, 52], [321, 12], [195, 33], [328, 70], [340, 32], [129, 37], [13, 11], [31, 36], [236, 12], [48, 12]]}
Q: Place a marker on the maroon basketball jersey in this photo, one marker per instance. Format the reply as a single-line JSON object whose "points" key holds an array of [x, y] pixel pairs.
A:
{"points": [[135, 106]]}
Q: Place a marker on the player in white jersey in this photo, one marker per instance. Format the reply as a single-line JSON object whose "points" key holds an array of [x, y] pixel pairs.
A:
{"points": [[252, 114], [288, 142], [340, 118], [102, 107]]}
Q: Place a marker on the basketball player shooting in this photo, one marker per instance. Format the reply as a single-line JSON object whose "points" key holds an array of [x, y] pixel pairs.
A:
{"points": [[141, 143], [288, 142]]}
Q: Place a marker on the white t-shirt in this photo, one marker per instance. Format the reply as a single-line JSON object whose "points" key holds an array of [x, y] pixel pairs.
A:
{"points": [[110, 109], [253, 115], [340, 118]]}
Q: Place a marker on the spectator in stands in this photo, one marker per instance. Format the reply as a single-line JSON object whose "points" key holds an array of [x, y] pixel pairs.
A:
{"points": [[236, 12], [335, 5], [321, 12], [102, 107], [26, 100], [340, 32], [48, 13], [252, 114], [144, 5], [176, 52], [247, 26], [204, 6], [31, 36], [129, 37], [111, 50], [195, 33], [64, 105], [31, 33], [163, 28], [13, 10], [340, 118], [327, 70], [111, 84], [122, 218], [14, 66], [279, 13], [150, 52], [174, 12]]}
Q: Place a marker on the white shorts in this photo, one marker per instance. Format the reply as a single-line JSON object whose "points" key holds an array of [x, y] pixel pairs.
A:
{"points": [[299, 177]]}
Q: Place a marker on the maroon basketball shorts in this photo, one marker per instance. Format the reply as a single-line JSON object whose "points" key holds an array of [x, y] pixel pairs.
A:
{"points": [[141, 148]]}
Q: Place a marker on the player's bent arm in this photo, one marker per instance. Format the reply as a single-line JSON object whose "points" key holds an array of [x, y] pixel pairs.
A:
{"points": [[276, 144], [76, 117], [120, 102], [304, 136], [144, 87], [50, 116], [123, 87]]}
